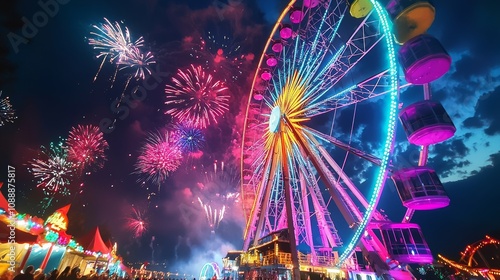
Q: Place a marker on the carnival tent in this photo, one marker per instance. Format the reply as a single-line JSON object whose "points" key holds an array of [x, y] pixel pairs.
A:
{"points": [[93, 242]]}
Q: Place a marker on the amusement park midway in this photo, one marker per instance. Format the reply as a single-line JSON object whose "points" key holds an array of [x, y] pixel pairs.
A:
{"points": [[249, 139]]}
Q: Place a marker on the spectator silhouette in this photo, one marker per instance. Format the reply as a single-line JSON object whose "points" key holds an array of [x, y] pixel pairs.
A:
{"points": [[27, 275], [64, 274], [53, 275], [75, 274]]}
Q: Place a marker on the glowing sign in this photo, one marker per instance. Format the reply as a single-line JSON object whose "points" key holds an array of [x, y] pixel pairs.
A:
{"points": [[59, 220]]}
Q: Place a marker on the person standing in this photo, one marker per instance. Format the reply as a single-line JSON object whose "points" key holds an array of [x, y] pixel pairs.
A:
{"points": [[27, 275]]}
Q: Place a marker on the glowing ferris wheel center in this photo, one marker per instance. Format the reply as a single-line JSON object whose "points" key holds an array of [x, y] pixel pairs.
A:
{"points": [[275, 119]]}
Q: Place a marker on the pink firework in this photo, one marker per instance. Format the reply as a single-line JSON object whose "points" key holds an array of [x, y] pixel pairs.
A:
{"points": [[196, 97], [136, 222], [86, 147], [159, 157]]}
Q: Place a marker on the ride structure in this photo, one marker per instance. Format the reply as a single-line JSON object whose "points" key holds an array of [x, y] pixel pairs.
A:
{"points": [[210, 271], [479, 259], [319, 134]]}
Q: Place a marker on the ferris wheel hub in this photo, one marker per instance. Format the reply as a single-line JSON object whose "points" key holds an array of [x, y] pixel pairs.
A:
{"points": [[274, 119]]}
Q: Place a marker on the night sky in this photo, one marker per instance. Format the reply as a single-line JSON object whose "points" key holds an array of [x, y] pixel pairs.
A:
{"points": [[50, 83]]}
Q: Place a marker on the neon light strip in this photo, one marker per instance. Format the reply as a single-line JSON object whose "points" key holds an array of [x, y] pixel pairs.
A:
{"points": [[389, 137]]}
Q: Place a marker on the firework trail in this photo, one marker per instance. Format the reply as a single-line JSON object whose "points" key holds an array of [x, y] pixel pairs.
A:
{"points": [[151, 245], [218, 187], [7, 113], [159, 157], [214, 216], [114, 44], [196, 97], [222, 181], [86, 147], [137, 223], [112, 41]]}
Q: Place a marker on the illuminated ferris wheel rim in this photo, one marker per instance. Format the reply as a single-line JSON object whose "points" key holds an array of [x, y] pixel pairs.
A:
{"points": [[209, 270], [276, 114]]}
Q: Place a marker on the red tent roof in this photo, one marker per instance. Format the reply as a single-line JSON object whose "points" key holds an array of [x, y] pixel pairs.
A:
{"points": [[3, 202], [109, 245], [64, 209], [93, 242]]}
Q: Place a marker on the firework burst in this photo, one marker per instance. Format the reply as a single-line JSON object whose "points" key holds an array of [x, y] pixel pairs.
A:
{"points": [[137, 60], [189, 138], [53, 170], [112, 40], [86, 147], [159, 157], [136, 222], [114, 43], [196, 97], [7, 113]]}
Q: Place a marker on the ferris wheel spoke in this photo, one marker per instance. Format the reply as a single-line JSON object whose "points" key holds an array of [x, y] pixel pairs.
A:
{"points": [[408, 215], [347, 181], [260, 202], [301, 201], [351, 53], [306, 215], [332, 140], [349, 211], [258, 197], [275, 214], [328, 233], [312, 53], [370, 88]]}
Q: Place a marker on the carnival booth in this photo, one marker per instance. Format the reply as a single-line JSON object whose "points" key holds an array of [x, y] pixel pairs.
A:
{"points": [[115, 264], [96, 254], [97, 257], [37, 242], [29, 240], [13, 241]]}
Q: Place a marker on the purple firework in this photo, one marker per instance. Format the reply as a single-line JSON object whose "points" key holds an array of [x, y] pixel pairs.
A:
{"points": [[159, 157]]}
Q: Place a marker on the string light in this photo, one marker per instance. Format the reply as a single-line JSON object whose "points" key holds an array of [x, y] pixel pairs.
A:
{"points": [[389, 136]]}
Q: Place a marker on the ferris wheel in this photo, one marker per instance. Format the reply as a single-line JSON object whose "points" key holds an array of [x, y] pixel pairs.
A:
{"points": [[210, 271], [320, 126]]}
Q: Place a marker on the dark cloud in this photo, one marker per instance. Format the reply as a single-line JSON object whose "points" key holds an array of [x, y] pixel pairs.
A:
{"points": [[473, 50], [447, 156], [473, 36], [473, 122], [486, 115]]}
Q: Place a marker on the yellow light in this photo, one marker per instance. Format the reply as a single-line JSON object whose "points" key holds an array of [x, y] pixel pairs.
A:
{"points": [[291, 104]]}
